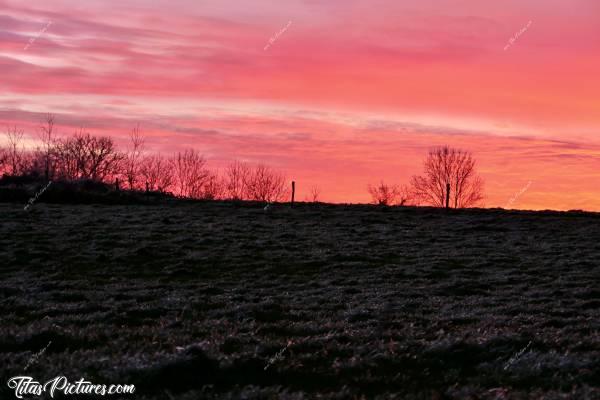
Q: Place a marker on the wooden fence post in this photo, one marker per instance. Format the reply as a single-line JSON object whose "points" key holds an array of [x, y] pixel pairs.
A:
{"points": [[293, 191], [117, 184], [447, 195]]}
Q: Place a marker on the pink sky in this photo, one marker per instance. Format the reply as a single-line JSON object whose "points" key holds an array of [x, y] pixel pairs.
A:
{"points": [[347, 93]]}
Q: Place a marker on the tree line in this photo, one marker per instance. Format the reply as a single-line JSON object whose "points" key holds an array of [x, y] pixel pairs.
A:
{"points": [[449, 177], [185, 173]]}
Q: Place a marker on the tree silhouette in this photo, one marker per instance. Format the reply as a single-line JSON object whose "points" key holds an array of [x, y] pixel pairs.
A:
{"points": [[190, 173], [265, 184], [88, 157], [15, 153], [237, 176], [383, 194], [157, 173], [388, 195], [133, 157], [447, 167]]}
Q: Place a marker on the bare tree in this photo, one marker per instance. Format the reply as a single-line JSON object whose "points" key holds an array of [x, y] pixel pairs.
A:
{"points": [[448, 166], [157, 172], [15, 153], [67, 159], [133, 157], [383, 194], [102, 158], [47, 151], [190, 173], [237, 176], [88, 157], [266, 184], [16, 150]]}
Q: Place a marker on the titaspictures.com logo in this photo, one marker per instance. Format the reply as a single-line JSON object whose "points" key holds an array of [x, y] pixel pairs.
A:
{"points": [[27, 386]]}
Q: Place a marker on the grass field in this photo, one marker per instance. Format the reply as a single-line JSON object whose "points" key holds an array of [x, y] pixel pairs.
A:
{"points": [[222, 300]]}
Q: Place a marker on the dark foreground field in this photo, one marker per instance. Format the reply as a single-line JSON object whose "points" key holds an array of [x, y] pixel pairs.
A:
{"points": [[193, 301]]}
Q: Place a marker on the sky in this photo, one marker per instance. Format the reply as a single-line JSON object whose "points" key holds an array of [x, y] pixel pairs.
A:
{"points": [[337, 94]]}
